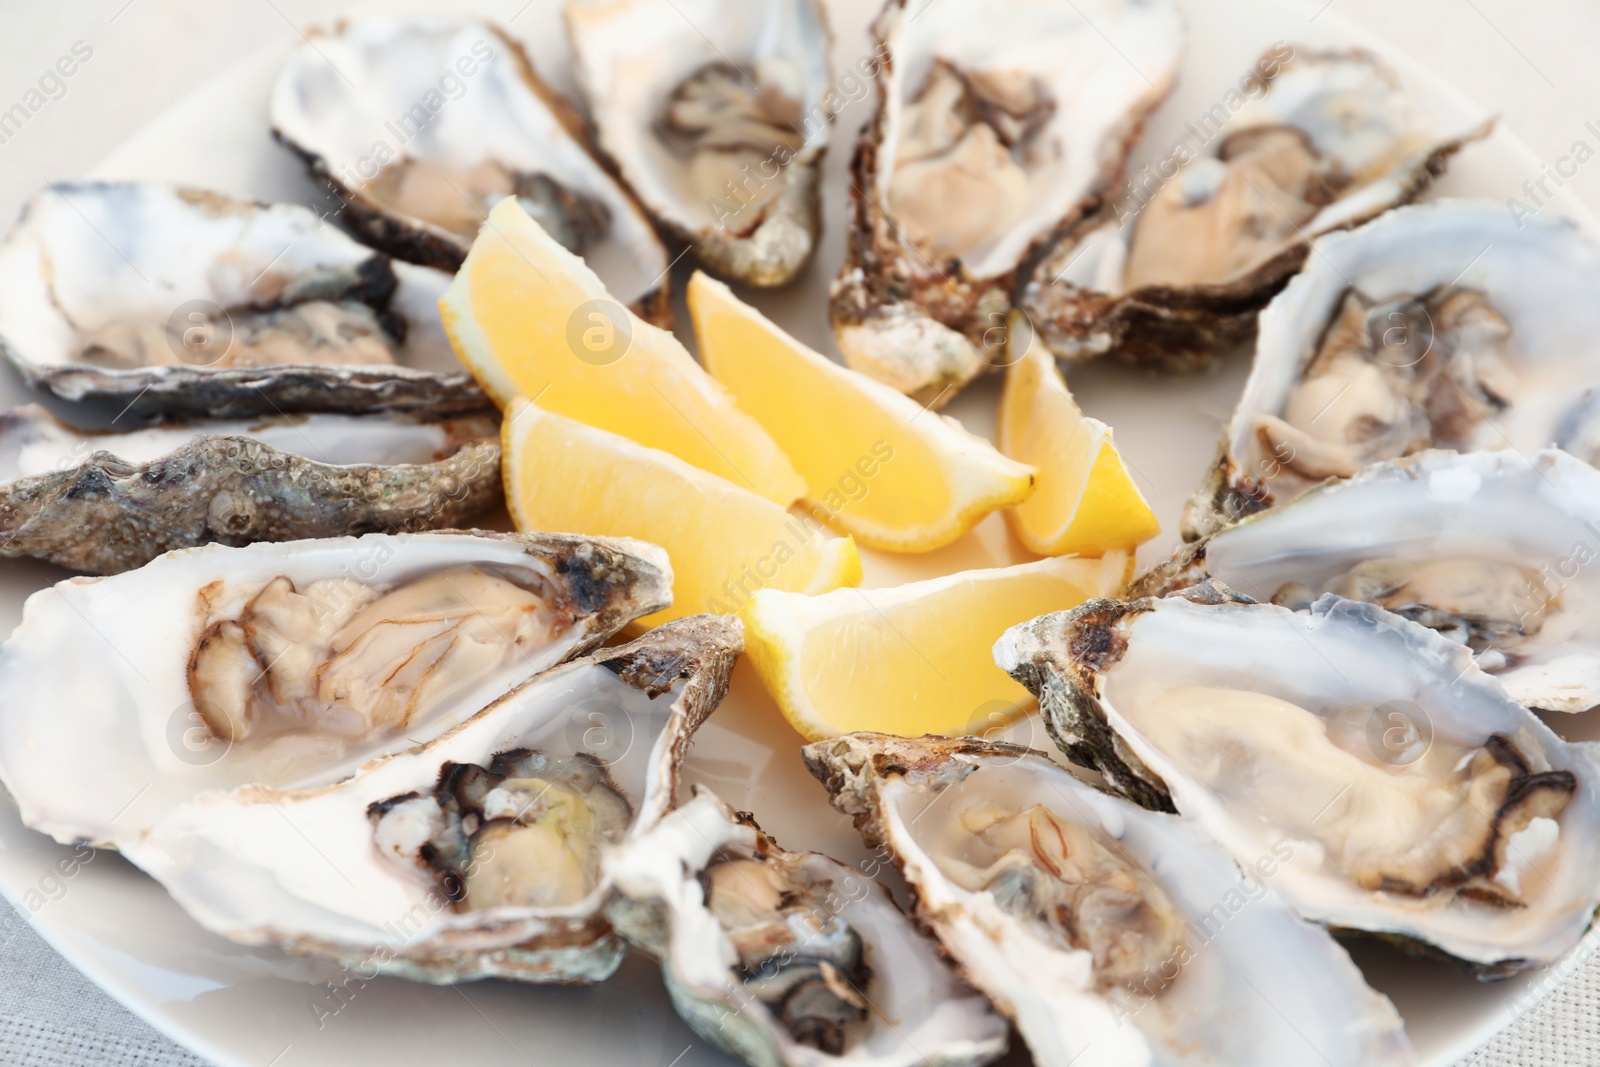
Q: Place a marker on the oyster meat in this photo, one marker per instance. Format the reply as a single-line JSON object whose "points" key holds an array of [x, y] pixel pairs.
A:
{"points": [[1175, 272], [717, 114], [1110, 935], [1444, 325], [287, 665], [1405, 794], [1491, 549], [166, 300], [790, 959], [998, 126], [283, 478], [422, 123], [480, 854]]}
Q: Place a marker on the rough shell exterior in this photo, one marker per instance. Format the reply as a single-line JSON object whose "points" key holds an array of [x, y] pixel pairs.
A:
{"points": [[245, 392], [234, 490]]}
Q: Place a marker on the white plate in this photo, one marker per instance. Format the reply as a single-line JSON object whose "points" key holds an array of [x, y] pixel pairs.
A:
{"points": [[250, 1008]]}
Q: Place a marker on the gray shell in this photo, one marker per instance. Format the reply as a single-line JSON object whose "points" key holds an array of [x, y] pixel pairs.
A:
{"points": [[83, 254], [106, 515]]}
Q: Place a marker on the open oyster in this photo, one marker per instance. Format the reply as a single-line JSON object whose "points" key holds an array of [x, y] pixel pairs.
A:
{"points": [[287, 665], [168, 300], [1446, 325], [717, 114], [998, 125], [1491, 549], [422, 123], [1112, 936], [1405, 794], [145, 492], [790, 959], [1175, 275], [480, 854]]}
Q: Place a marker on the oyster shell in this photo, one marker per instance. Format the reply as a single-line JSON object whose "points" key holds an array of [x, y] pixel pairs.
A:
{"points": [[1112, 936], [998, 125], [287, 665], [1327, 141], [1491, 549], [176, 485], [480, 854], [1406, 795], [1444, 325], [167, 300], [422, 123], [717, 114], [788, 958]]}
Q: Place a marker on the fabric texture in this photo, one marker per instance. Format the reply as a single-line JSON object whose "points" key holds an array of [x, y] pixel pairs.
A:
{"points": [[52, 1016]]}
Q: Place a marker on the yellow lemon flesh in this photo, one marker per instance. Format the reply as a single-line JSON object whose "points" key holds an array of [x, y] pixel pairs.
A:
{"points": [[877, 465], [528, 318], [1085, 501], [915, 658], [724, 542]]}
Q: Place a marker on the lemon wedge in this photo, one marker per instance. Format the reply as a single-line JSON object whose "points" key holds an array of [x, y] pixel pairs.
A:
{"points": [[528, 318], [877, 465], [1085, 501], [724, 542], [915, 658]]}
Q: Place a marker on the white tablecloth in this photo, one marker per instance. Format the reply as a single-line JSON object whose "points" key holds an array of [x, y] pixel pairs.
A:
{"points": [[1533, 63]]}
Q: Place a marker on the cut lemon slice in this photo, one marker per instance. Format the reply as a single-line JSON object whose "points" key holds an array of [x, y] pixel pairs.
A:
{"points": [[724, 542], [915, 658], [877, 464], [529, 318], [1085, 501]]}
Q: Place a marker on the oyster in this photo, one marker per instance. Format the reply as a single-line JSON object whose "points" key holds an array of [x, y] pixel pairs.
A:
{"points": [[480, 854], [998, 125], [169, 300], [1175, 274], [147, 491], [287, 665], [1405, 793], [1445, 325], [422, 123], [1491, 549], [1112, 936], [790, 958], [717, 114]]}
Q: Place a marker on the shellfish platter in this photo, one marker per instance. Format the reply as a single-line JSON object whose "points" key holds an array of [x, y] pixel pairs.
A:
{"points": [[687, 532]]}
